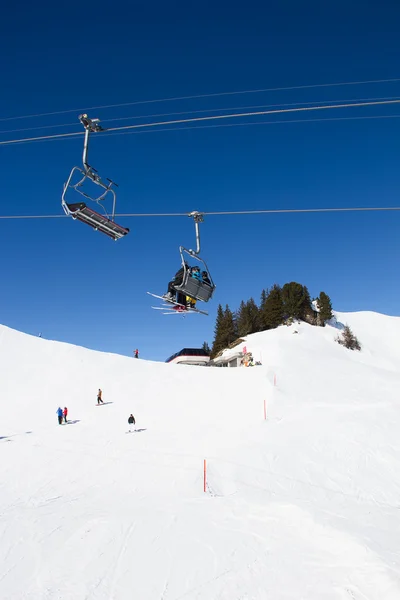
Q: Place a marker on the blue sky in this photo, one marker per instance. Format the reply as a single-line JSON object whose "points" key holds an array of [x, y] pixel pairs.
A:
{"points": [[70, 283]]}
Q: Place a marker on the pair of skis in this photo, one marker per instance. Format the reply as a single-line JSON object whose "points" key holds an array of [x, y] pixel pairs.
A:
{"points": [[176, 309]]}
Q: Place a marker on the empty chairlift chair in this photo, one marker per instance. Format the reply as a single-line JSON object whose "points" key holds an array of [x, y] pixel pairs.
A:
{"points": [[79, 210]]}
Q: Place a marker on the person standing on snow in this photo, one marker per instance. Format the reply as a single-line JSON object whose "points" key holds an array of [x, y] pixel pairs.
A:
{"points": [[136, 354], [59, 415], [99, 394], [65, 414], [131, 420]]}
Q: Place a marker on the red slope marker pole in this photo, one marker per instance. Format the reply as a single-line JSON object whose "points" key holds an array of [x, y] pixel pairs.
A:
{"points": [[205, 476]]}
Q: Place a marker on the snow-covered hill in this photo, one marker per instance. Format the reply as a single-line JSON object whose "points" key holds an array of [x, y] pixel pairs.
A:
{"points": [[305, 504]]}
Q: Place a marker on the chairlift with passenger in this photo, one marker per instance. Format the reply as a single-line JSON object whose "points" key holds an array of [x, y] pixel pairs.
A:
{"points": [[190, 286], [79, 210]]}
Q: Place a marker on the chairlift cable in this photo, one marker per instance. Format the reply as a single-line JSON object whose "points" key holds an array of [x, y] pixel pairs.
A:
{"points": [[208, 118], [204, 110], [224, 125], [236, 212], [213, 95]]}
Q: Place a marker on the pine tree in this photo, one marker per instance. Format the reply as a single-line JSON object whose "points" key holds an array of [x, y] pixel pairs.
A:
{"points": [[217, 343], [348, 339], [308, 313], [248, 318], [254, 316], [325, 308], [271, 312], [230, 333], [263, 299], [241, 319], [225, 330], [206, 348], [296, 301]]}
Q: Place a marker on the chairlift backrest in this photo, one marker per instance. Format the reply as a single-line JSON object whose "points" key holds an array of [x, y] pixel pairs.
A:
{"points": [[195, 288]]}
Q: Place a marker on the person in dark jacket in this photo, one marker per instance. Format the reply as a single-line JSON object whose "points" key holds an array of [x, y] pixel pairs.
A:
{"points": [[131, 420], [206, 278], [177, 280]]}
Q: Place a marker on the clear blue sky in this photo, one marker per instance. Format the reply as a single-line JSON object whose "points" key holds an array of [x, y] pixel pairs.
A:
{"points": [[72, 284]]}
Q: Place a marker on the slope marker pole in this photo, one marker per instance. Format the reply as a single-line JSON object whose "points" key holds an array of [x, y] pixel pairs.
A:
{"points": [[205, 476], [265, 410]]}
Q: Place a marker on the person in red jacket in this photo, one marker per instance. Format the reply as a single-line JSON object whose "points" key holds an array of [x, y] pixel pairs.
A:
{"points": [[65, 414], [136, 353]]}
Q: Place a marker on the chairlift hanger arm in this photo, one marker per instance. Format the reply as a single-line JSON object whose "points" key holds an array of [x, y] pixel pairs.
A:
{"points": [[90, 125], [198, 218]]}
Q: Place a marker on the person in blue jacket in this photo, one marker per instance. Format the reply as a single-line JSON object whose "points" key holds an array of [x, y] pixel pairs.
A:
{"points": [[60, 415], [195, 272]]}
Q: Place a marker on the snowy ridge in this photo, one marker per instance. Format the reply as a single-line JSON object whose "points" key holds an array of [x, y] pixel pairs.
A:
{"points": [[302, 505]]}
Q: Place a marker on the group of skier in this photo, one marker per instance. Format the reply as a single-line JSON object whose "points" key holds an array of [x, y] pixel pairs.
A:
{"points": [[63, 413]]}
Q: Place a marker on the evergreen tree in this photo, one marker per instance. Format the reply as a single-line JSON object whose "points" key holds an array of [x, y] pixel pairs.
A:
{"points": [[348, 339], [248, 318], [271, 311], [308, 313], [263, 299], [264, 296], [325, 308], [217, 344], [296, 301], [241, 319], [230, 333], [254, 316], [225, 331], [206, 348]]}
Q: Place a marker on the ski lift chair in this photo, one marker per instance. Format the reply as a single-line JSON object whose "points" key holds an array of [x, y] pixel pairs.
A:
{"points": [[190, 286], [80, 211]]}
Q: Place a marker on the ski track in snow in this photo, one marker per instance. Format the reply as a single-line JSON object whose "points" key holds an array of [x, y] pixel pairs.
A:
{"points": [[304, 505]]}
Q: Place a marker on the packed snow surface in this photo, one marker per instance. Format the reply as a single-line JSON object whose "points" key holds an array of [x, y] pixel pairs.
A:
{"points": [[302, 505]]}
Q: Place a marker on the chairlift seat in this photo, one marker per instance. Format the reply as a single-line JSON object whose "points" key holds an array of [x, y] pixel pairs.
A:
{"points": [[194, 288], [81, 212]]}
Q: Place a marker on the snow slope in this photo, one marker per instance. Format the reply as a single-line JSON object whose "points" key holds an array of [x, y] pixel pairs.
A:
{"points": [[302, 505]]}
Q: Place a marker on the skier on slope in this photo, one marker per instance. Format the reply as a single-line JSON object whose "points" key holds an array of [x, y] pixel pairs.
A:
{"points": [[99, 399], [65, 414], [131, 420], [59, 412]]}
